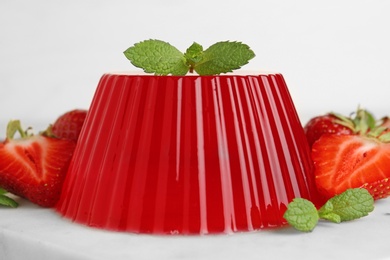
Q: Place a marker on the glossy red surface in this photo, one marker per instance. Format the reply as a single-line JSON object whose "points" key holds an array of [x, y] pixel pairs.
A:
{"points": [[188, 155]]}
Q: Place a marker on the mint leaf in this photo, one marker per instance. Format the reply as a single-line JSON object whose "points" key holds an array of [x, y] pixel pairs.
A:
{"points": [[301, 214], [326, 212], [349, 205], [223, 57], [333, 217], [161, 58], [194, 55], [7, 201], [158, 57]]}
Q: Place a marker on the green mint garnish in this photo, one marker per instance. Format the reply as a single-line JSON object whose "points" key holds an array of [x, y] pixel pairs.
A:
{"points": [[301, 214], [161, 58], [194, 55], [155, 56], [223, 57], [5, 200], [351, 204]]}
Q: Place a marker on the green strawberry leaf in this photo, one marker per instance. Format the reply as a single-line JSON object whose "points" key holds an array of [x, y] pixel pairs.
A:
{"points": [[7, 201], [3, 191], [364, 121], [385, 138]]}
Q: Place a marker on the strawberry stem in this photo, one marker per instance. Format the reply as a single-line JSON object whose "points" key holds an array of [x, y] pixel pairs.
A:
{"points": [[385, 138], [13, 127]]}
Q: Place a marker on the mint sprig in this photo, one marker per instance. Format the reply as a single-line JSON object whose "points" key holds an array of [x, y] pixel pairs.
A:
{"points": [[349, 205], [161, 58], [7, 201]]}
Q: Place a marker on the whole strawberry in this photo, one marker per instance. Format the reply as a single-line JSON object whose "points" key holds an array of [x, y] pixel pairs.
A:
{"points": [[362, 121], [68, 126], [34, 166], [326, 124]]}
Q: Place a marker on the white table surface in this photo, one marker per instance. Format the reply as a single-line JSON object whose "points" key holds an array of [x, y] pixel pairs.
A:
{"points": [[31, 232]]}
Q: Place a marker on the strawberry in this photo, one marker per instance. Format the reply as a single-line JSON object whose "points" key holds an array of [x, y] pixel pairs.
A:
{"points": [[325, 124], [34, 166], [68, 126], [333, 123], [351, 161], [379, 189], [384, 127], [385, 122]]}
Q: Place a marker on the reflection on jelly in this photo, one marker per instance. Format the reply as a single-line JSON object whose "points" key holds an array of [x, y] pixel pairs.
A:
{"points": [[188, 155]]}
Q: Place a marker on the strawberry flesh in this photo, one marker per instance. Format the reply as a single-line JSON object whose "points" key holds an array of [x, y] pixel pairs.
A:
{"points": [[35, 167], [349, 161]]}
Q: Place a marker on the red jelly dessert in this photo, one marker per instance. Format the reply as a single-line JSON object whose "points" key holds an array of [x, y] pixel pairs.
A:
{"points": [[188, 155]]}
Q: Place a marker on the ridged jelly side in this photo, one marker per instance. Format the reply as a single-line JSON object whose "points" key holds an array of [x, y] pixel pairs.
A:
{"points": [[188, 155]]}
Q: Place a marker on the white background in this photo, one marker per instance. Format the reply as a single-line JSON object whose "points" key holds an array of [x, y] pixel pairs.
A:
{"points": [[333, 54]]}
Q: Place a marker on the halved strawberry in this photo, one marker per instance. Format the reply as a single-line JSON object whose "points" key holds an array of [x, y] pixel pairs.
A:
{"points": [[379, 189], [349, 161], [68, 126], [34, 166], [384, 128], [385, 122]]}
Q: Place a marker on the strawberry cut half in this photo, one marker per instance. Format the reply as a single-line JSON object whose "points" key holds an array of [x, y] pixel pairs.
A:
{"points": [[349, 161], [379, 189], [34, 167]]}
